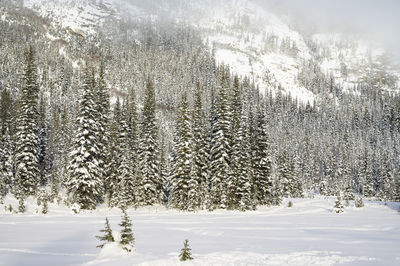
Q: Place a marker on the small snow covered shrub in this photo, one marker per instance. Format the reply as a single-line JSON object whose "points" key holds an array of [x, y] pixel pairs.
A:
{"points": [[290, 204], [185, 252], [358, 202]]}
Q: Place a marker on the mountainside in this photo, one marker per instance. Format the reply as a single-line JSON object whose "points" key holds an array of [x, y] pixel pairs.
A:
{"points": [[252, 41]]}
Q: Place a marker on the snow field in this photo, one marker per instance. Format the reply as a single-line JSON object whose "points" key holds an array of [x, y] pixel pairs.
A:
{"points": [[309, 233]]}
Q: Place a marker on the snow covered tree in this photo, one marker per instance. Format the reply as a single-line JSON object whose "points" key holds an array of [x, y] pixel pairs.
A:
{"points": [[186, 253], [200, 151], [184, 192], [6, 164], [26, 136], [150, 185], [126, 186], [338, 208], [113, 158], [85, 185], [107, 237], [102, 106], [358, 202], [127, 240], [220, 146], [261, 162], [285, 175]]}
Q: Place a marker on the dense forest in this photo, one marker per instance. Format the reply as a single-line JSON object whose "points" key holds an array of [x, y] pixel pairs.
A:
{"points": [[140, 114]]}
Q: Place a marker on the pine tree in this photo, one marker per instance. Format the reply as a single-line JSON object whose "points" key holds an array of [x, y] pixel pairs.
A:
{"points": [[200, 152], [127, 185], [127, 240], [102, 106], [358, 202], [85, 184], [338, 204], [6, 164], [107, 237], [185, 252], [285, 175], [221, 146], [133, 138], [150, 185], [113, 158], [184, 187], [27, 138], [261, 162]]}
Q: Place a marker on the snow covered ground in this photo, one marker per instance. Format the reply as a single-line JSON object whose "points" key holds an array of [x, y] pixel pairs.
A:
{"points": [[309, 233]]}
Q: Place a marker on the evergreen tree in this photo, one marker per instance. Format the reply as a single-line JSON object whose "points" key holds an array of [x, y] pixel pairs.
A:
{"points": [[150, 185], [186, 253], [338, 204], [184, 187], [261, 162], [358, 202], [107, 237], [200, 152], [27, 138], [102, 106], [127, 240], [85, 184], [6, 164], [126, 186], [113, 158], [221, 146]]}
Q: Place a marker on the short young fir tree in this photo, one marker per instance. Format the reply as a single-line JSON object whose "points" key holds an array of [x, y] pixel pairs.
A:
{"points": [[107, 237], [127, 240], [338, 208], [185, 252]]}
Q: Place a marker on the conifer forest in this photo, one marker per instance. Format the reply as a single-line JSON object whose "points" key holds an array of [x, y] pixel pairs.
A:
{"points": [[183, 114]]}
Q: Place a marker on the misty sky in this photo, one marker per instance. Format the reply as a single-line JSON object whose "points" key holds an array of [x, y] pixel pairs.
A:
{"points": [[378, 19]]}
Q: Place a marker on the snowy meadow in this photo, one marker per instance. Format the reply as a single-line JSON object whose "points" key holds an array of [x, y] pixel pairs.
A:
{"points": [[309, 233]]}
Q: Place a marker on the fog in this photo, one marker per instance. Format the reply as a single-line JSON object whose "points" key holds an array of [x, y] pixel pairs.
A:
{"points": [[376, 20]]}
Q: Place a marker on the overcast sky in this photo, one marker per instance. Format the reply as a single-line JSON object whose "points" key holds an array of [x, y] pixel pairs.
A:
{"points": [[378, 19]]}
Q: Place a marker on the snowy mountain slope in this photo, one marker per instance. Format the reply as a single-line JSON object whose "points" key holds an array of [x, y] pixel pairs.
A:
{"points": [[252, 41]]}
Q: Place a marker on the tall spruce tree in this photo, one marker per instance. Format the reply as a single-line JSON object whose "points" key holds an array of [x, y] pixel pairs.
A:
{"points": [[85, 185], [221, 146], [200, 151], [184, 187], [150, 185], [261, 162], [27, 134]]}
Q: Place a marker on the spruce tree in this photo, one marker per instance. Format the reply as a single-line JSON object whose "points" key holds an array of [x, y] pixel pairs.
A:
{"points": [[200, 152], [113, 158], [262, 162], [107, 237], [27, 138], [127, 240], [186, 253], [221, 146], [102, 106], [184, 187], [126, 185], [338, 204], [85, 185], [150, 185]]}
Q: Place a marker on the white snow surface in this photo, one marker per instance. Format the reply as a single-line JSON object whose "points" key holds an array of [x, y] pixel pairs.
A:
{"points": [[309, 233]]}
